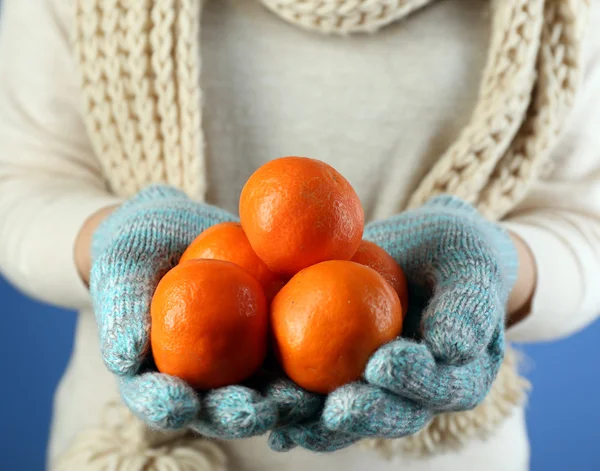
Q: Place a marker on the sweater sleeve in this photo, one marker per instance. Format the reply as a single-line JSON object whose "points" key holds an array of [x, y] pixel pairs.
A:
{"points": [[50, 181], [560, 218]]}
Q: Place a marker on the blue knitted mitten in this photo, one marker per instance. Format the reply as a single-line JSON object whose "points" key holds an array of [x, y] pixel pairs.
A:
{"points": [[132, 250], [350, 413], [461, 269]]}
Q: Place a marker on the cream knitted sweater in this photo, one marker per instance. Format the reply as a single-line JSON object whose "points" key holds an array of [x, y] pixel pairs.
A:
{"points": [[402, 97]]}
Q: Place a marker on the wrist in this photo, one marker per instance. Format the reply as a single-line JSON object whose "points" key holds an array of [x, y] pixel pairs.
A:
{"points": [[521, 296], [83, 242]]}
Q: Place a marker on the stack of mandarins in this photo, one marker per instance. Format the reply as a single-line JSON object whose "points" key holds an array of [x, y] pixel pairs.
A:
{"points": [[296, 271]]}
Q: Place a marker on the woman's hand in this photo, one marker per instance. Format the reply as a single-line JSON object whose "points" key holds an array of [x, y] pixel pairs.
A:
{"points": [[461, 270], [521, 296], [132, 249], [83, 244]]}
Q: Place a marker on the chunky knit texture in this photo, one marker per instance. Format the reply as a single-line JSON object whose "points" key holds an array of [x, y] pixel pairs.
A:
{"points": [[132, 250], [142, 60], [464, 267]]}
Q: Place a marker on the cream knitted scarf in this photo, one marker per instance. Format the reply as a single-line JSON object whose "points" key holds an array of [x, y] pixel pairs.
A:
{"points": [[140, 67]]}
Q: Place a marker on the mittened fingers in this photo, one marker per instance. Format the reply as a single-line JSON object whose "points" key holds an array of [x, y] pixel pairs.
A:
{"points": [[235, 412], [125, 276], [280, 440], [122, 286], [462, 316], [311, 436], [132, 251], [351, 413], [410, 370], [293, 403], [166, 402], [368, 411], [161, 401]]}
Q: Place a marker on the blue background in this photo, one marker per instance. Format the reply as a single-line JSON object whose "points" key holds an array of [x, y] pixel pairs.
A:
{"points": [[563, 412]]}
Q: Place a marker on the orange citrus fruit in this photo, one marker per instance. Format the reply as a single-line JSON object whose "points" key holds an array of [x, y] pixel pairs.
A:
{"points": [[209, 323], [227, 241], [373, 256], [329, 319], [298, 212]]}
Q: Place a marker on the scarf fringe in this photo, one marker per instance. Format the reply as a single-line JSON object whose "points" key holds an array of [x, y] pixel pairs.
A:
{"points": [[123, 443]]}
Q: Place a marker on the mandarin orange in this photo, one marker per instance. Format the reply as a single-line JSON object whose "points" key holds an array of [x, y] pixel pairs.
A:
{"points": [[373, 256], [209, 323], [298, 212], [227, 241], [329, 319]]}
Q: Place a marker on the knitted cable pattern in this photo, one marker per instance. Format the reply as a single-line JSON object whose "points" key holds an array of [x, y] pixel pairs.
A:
{"points": [[140, 78], [343, 17], [503, 100], [489, 165], [559, 64]]}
